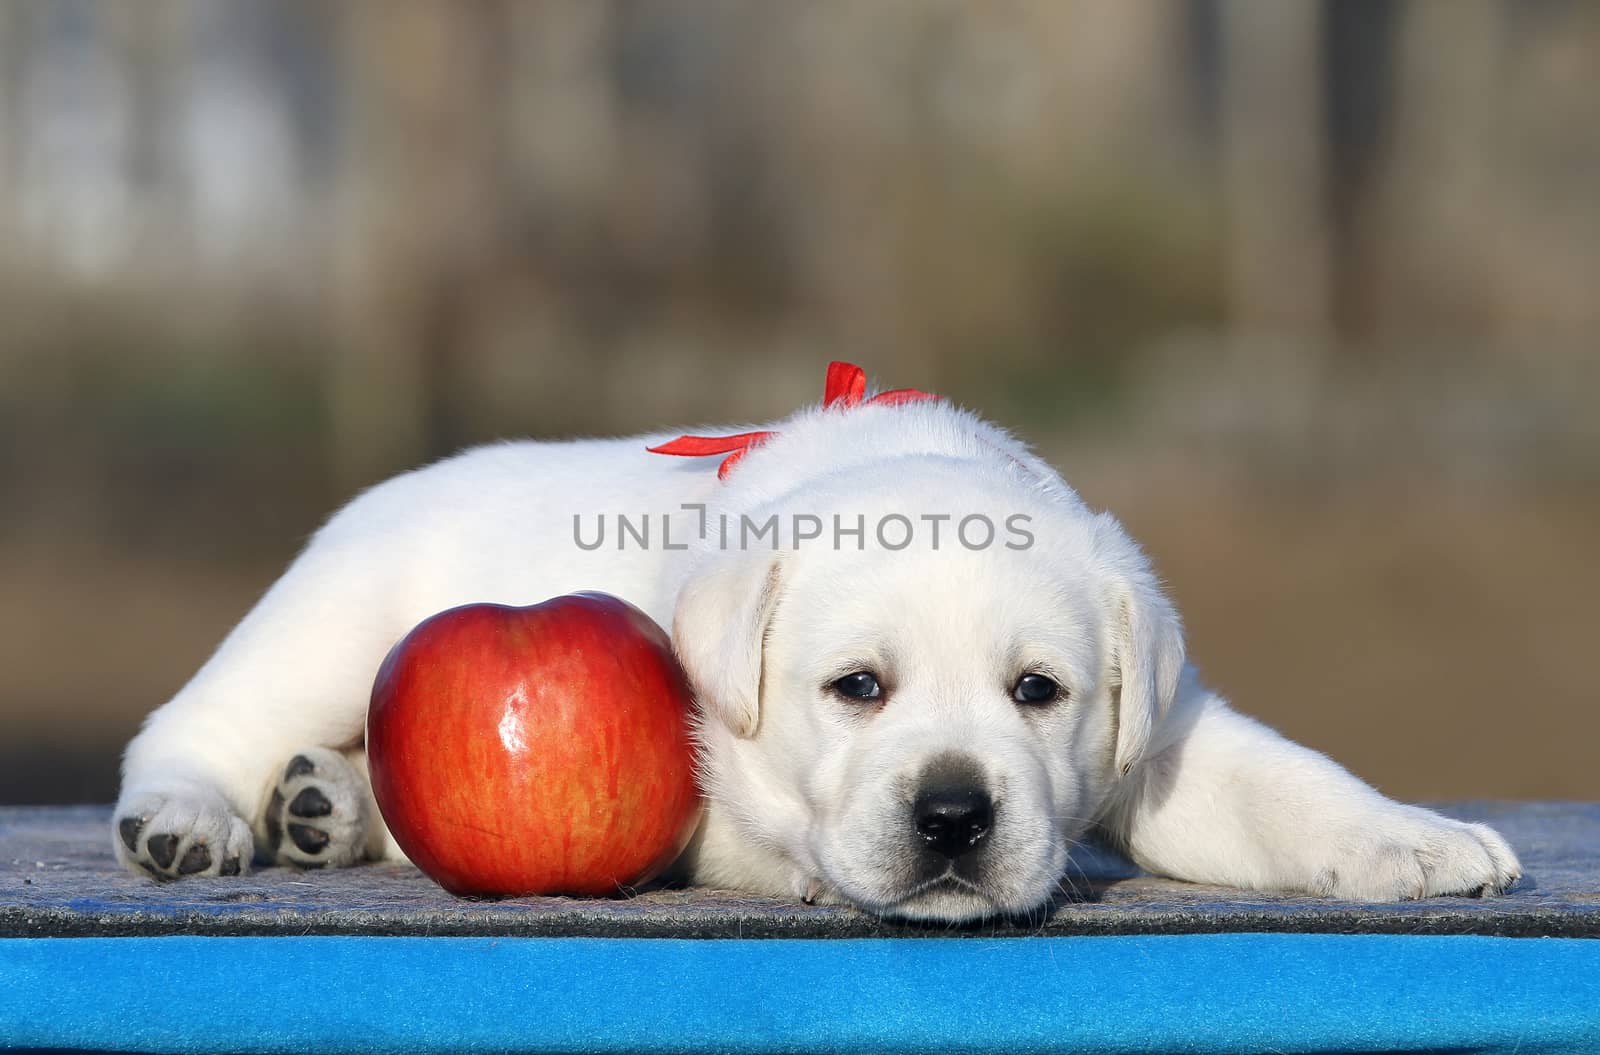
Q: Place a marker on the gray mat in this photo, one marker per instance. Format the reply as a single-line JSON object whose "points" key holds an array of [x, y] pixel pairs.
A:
{"points": [[58, 878]]}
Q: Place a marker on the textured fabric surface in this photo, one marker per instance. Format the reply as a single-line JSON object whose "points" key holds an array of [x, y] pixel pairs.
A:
{"points": [[1193, 993], [58, 879]]}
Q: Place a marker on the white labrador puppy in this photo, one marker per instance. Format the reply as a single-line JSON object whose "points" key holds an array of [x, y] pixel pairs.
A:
{"points": [[925, 670]]}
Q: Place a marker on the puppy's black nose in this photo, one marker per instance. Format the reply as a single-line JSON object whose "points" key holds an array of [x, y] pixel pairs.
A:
{"points": [[953, 821]]}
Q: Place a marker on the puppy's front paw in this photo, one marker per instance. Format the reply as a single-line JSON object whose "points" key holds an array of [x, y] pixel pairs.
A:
{"points": [[1415, 853], [190, 831], [316, 816]]}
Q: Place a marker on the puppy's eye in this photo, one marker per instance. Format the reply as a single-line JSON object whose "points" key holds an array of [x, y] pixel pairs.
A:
{"points": [[858, 686], [1036, 688]]}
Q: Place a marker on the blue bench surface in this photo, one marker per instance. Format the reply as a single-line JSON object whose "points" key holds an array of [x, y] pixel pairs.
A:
{"points": [[1138, 993], [58, 879]]}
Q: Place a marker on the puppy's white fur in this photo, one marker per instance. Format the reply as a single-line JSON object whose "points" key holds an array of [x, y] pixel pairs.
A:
{"points": [[809, 793]]}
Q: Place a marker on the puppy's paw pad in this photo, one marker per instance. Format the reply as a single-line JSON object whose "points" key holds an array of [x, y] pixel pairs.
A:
{"points": [[181, 834], [320, 804], [129, 828], [311, 802], [310, 840], [196, 859], [162, 849]]}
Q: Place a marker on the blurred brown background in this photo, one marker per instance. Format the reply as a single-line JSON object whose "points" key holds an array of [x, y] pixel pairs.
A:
{"points": [[1308, 292]]}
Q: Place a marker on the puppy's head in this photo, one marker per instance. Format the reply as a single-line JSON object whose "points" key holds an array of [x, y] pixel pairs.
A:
{"points": [[927, 728]]}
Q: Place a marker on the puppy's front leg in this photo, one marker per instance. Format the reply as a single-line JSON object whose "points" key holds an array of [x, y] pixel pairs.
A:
{"points": [[255, 738], [1223, 799]]}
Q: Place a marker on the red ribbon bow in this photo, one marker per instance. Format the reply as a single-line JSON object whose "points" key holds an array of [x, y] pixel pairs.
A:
{"points": [[846, 387]]}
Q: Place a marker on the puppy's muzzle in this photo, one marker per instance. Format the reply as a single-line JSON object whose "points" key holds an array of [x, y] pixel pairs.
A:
{"points": [[952, 812]]}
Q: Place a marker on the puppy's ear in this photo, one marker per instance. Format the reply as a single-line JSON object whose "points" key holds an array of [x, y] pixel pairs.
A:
{"points": [[718, 630], [1148, 651]]}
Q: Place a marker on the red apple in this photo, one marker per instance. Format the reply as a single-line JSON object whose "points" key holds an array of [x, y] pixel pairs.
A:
{"points": [[538, 750]]}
